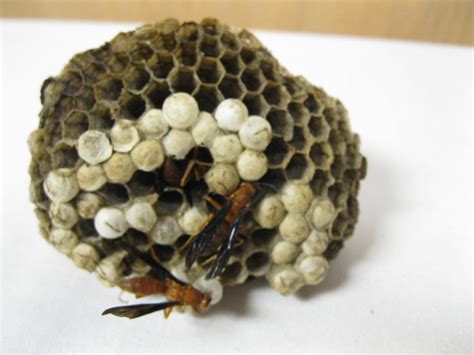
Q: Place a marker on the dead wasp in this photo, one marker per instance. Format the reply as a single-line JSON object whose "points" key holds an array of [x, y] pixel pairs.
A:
{"points": [[219, 233], [158, 282]]}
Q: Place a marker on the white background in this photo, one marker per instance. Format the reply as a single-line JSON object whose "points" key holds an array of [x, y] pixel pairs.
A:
{"points": [[403, 282]]}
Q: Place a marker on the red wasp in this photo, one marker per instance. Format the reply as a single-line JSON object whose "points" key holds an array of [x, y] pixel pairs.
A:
{"points": [[219, 235], [158, 282]]}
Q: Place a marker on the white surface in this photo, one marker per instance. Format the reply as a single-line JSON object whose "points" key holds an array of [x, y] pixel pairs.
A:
{"points": [[403, 282]]}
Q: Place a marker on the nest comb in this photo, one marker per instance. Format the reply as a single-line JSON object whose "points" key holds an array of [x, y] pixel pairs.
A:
{"points": [[112, 99]]}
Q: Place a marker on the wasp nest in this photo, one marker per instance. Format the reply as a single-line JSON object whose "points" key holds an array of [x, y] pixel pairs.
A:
{"points": [[173, 93]]}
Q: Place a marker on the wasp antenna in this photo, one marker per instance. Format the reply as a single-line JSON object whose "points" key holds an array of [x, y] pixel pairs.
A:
{"points": [[138, 310]]}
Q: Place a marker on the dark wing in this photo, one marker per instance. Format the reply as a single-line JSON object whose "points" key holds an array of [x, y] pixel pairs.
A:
{"points": [[138, 310], [223, 254], [203, 237], [159, 271]]}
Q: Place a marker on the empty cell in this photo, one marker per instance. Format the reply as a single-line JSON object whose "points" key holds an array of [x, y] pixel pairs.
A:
{"points": [[277, 152], [72, 83], [296, 167], [269, 70], [299, 112], [169, 203], [280, 121], [157, 92], [114, 193], [136, 78], [299, 140], [232, 63], [263, 237], [256, 105], [182, 79], [132, 106], [210, 70], [161, 64], [253, 79], [211, 46], [230, 41], [231, 87], [274, 177], [100, 118], [108, 89], [64, 156], [312, 104], [248, 55], [321, 155], [208, 97], [74, 124]]}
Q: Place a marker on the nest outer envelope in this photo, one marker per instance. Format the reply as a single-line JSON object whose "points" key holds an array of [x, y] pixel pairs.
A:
{"points": [[312, 145]]}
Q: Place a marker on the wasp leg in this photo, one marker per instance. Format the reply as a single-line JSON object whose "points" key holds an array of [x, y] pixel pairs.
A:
{"points": [[223, 254], [201, 240]]}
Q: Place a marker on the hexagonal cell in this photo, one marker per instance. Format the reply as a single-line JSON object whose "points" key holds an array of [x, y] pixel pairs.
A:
{"points": [[211, 26], [350, 180], [276, 95], [211, 46], [263, 237], [337, 167], [182, 79], [163, 252], [116, 63], [321, 154], [100, 118], [208, 97], [318, 128], [275, 177], [210, 70], [188, 32], [142, 183], [277, 152], [85, 227], [85, 100], [253, 79], [338, 194], [299, 112], [337, 143], [135, 237], [108, 89], [291, 85], [338, 227], [281, 122], [231, 272], [256, 105], [132, 106], [230, 41], [333, 249], [161, 64], [157, 92], [257, 262], [231, 87], [269, 70], [312, 104], [248, 55], [352, 207], [331, 117], [169, 203], [114, 193], [187, 54], [299, 139], [139, 52], [136, 78], [64, 156], [72, 83], [93, 73], [297, 167], [321, 182], [145, 33], [232, 63], [74, 124]]}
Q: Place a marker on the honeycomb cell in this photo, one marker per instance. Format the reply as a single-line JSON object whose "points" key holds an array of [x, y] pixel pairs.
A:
{"points": [[139, 52], [211, 27], [132, 106], [211, 46], [258, 263], [108, 89], [230, 41], [210, 70], [72, 83], [319, 128], [64, 156], [321, 155], [281, 123], [114, 193], [278, 152], [94, 73], [231, 87], [232, 63], [248, 55], [164, 252], [337, 168], [136, 78], [312, 104], [160, 64], [231, 272], [253, 79], [169, 203], [256, 105], [142, 183], [263, 237], [274, 177], [208, 97], [297, 167], [85, 100], [74, 124], [339, 226], [333, 249], [276, 95], [321, 182], [157, 92], [299, 141], [187, 54], [269, 70], [100, 118], [299, 113], [330, 115], [116, 63], [338, 195], [182, 79]]}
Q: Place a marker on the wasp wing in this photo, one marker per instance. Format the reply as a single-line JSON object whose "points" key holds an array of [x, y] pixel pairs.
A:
{"points": [[138, 310]]}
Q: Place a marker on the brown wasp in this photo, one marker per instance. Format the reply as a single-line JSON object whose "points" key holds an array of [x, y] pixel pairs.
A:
{"points": [[158, 282]]}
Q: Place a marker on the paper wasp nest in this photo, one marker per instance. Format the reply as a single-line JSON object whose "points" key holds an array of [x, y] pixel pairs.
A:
{"points": [[205, 92]]}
